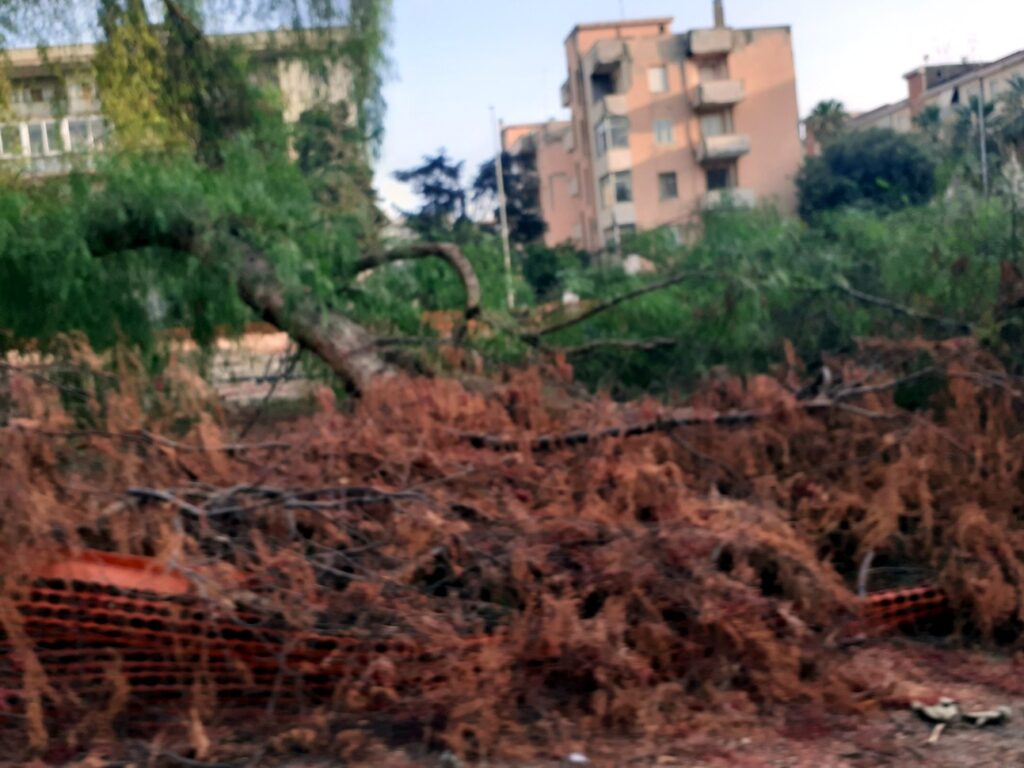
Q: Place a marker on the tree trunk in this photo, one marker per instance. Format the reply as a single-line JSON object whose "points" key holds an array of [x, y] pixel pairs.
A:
{"points": [[344, 345]]}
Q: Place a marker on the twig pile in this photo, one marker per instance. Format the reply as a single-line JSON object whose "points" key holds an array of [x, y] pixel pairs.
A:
{"points": [[634, 584]]}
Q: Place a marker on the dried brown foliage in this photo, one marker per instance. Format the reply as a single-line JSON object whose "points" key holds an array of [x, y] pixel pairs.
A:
{"points": [[640, 585]]}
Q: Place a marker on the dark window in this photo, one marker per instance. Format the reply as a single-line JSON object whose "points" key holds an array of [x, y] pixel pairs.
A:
{"points": [[624, 187], [667, 187], [719, 178], [601, 85]]}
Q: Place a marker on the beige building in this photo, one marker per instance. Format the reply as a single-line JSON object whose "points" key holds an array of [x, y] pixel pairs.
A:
{"points": [[944, 86], [55, 119], [666, 124]]}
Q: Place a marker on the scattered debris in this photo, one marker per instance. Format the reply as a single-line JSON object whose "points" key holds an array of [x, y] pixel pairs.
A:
{"points": [[981, 718], [945, 711], [475, 600]]}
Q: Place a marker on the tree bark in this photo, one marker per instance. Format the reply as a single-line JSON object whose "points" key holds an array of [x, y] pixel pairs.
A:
{"points": [[344, 345], [449, 252]]}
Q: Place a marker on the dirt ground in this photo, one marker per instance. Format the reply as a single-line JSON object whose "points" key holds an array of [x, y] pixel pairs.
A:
{"points": [[889, 735]]}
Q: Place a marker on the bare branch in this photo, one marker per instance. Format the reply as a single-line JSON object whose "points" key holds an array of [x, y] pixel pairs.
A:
{"points": [[675, 279], [635, 344], [960, 326], [448, 252]]}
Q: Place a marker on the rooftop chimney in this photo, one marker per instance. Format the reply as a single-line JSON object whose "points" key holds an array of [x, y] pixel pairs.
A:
{"points": [[719, 14]]}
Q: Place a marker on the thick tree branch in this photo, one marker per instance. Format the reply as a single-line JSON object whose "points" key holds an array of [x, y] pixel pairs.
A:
{"points": [[448, 252], [960, 326], [679, 277], [344, 345]]}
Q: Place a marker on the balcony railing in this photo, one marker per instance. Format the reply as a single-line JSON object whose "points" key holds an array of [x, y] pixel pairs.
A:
{"points": [[726, 146], [711, 42], [614, 104], [717, 94], [47, 147]]}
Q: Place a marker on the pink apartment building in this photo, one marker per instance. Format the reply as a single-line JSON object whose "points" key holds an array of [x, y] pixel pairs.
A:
{"points": [[663, 126]]}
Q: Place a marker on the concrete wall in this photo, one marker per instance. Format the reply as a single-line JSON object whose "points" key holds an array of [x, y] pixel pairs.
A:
{"points": [[768, 114]]}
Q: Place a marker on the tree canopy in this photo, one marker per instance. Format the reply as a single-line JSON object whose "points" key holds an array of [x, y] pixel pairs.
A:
{"points": [[522, 194], [875, 167]]}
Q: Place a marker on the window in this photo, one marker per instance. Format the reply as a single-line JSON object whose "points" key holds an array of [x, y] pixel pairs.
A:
{"points": [[611, 132], [716, 69], [716, 124], [720, 178], [78, 133], [54, 142], [35, 140], [99, 132], [667, 186], [616, 188], [10, 140], [623, 187], [601, 84], [657, 79], [35, 95], [662, 131]]}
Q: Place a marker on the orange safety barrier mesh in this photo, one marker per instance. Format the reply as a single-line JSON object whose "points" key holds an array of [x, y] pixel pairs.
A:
{"points": [[95, 616]]}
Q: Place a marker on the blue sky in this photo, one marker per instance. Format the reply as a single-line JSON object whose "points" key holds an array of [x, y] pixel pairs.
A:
{"points": [[453, 59]]}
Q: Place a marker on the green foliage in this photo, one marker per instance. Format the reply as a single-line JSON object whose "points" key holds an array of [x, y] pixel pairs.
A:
{"points": [[877, 168], [827, 121], [132, 75], [769, 279], [438, 182], [546, 269], [331, 152], [522, 195]]}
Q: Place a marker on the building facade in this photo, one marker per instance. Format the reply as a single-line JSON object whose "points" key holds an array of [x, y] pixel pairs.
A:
{"points": [[664, 125], [55, 122], [945, 87], [550, 145]]}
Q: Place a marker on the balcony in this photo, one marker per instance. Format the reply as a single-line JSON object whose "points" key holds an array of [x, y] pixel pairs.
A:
{"points": [[566, 94], [727, 146], [728, 198], [621, 214], [614, 159], [711, 42], [717, 94], [612, 104], [607, 52]]}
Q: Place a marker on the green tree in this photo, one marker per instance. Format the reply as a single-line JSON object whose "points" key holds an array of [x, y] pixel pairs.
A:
{"points": [[877, 168], [827, 121], [1008, 123], [929, 122], [522, 194], [438, 182], [222, 222]]}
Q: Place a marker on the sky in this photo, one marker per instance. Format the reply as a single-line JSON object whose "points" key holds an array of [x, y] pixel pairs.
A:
{"points": [[452, 60]]}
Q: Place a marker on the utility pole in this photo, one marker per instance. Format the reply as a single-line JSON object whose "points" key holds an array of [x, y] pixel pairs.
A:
{"points": [[499, 172], [981, 131]]}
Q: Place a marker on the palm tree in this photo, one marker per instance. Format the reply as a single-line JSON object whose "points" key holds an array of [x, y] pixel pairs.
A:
{"points": [[827, 120], [1008, 124]]}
